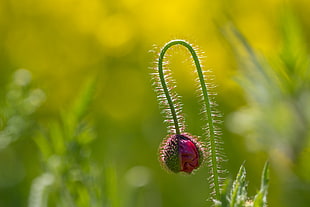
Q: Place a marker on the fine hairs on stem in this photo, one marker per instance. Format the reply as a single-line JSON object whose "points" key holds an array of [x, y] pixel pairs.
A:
{"points": [[171, 105]]}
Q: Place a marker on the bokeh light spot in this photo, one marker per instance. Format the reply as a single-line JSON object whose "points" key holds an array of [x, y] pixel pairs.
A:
{"points": [[138, 176]]}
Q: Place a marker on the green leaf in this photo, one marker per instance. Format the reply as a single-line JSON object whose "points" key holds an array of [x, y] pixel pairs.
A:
{"points": [[57, 138], [44, 146], [224, 202], [72, 118], [260, 199], [238, 194]]}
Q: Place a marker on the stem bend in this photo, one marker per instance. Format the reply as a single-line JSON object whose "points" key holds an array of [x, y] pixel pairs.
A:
{"points": [[211, 127]]}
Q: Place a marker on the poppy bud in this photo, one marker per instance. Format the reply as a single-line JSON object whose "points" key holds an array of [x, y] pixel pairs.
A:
{"points": [[181, 153]]}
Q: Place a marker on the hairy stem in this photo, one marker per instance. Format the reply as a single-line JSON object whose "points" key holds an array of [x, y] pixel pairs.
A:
{"points": [[215, 175], [165, 88]]}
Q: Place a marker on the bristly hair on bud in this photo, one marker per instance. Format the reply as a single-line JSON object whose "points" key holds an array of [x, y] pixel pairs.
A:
{"points": [[181, 152]]}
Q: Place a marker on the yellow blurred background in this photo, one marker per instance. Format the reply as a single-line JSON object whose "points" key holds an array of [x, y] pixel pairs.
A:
{"points": [[63, 43]]}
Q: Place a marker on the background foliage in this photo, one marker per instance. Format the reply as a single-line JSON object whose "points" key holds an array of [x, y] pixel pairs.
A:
{"points": [[76, 149]]}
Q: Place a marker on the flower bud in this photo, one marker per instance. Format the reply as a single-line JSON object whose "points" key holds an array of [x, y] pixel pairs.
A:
{"points": [[181, 153]]}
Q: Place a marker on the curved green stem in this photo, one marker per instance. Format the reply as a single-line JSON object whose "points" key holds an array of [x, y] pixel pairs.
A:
{"points": [[206, 102], [165, 88]]}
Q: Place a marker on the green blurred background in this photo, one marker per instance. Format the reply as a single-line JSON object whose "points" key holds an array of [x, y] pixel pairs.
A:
{"points": [[64, 43]]}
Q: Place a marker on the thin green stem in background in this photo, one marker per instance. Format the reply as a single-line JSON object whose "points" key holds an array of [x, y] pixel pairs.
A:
{"points": [[213, 154]]}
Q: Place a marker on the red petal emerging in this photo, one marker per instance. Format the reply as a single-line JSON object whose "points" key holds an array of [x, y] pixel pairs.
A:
{"points": [[189, 155]]}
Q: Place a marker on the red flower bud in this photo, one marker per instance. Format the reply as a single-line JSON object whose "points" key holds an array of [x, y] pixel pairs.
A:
{"points": [[181, 153]]}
